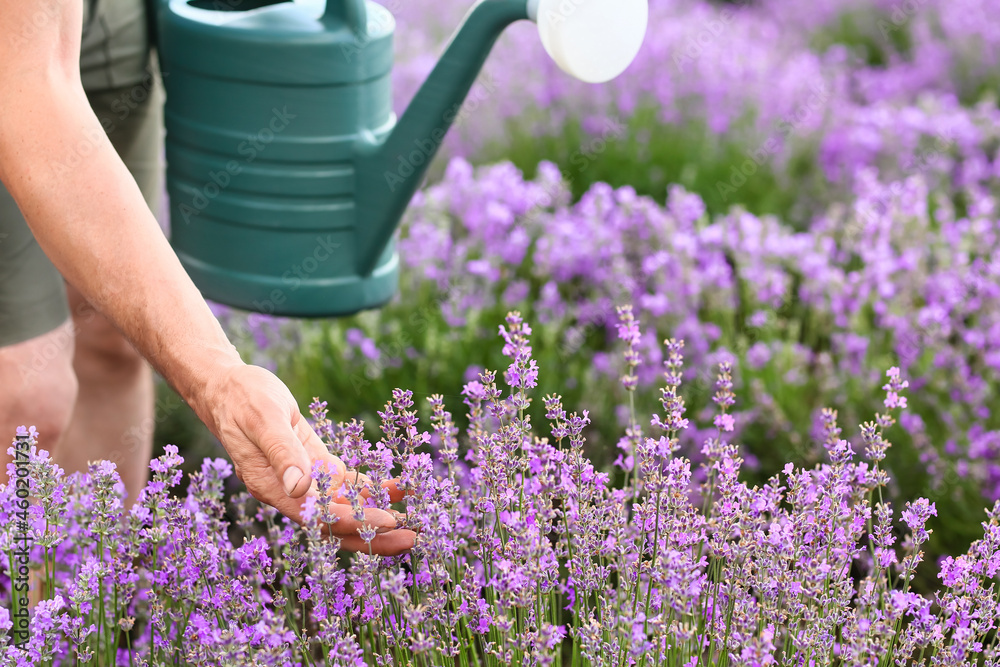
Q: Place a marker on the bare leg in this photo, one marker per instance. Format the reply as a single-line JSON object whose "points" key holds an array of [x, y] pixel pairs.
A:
{"points": [[114, 415], [37, 388]]}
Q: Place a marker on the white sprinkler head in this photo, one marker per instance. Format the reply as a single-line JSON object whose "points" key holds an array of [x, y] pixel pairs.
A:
{"points": [[592, 40]]}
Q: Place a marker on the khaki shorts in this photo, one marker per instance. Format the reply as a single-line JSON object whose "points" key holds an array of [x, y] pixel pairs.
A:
{"points": [[32, 292]]}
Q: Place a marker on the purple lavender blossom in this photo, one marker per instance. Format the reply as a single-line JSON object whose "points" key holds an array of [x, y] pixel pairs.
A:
{"points": [[525, 550]]}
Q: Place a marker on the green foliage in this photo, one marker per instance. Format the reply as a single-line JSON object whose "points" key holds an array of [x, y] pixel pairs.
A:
{"points": [[418, 350], [873, 36], [650, 155], [977, 83], [177, 424]]}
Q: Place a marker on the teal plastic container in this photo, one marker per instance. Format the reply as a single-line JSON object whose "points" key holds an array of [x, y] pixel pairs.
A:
{"points": [[287, 172]]}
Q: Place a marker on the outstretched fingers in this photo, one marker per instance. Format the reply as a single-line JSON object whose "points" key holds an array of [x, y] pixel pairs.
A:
{"points": [[346, 525], [390, 538], [340, 475], [281, 442], [391, 544], [396, 494]]}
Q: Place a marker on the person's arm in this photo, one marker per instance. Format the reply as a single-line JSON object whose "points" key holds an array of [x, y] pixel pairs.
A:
{"points": [[93, 223]]}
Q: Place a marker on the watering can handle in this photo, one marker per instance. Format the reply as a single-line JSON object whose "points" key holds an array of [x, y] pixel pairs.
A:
{"points": [[350, 12]]}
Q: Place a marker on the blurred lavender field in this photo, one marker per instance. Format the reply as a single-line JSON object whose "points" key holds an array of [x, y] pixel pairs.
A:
{"points": [[806, 190], [848, 83]]}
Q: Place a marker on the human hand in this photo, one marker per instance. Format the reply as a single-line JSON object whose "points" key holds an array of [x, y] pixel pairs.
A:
{"points": [[273, 449]]}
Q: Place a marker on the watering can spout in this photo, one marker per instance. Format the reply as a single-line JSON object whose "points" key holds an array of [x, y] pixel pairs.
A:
{"points": [[391, 171]]}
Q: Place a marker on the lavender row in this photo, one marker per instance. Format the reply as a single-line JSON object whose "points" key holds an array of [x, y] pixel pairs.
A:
{"points": [[526, 553]]}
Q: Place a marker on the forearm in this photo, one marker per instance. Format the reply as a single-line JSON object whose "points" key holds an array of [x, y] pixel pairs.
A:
{"points": [[89, 216]]}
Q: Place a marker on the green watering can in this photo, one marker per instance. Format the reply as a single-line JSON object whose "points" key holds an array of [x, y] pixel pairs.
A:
{"points": [[287, 171]]}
